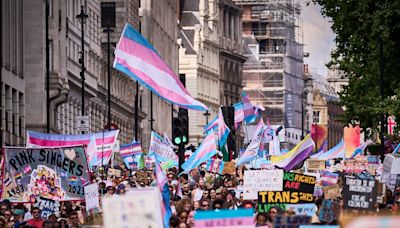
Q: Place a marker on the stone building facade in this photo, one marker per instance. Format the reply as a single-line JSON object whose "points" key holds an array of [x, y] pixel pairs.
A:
{"points": [[159, 26], [12, 73], [23, 65], [210, 57]]}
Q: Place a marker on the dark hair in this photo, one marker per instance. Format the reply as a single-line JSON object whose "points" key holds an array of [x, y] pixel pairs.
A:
{"points": [[218, 201], [174, 221], [36, 208], [48, 224], [72, 213]]}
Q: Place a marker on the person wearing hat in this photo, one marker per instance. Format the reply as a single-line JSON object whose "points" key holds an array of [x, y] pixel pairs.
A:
{"points": [[18, 218]]}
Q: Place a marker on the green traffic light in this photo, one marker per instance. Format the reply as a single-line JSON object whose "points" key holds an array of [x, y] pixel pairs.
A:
{"points": [[184, 139], [177, 140]]}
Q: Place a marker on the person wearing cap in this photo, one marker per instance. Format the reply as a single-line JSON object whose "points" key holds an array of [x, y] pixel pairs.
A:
{"points": [[37, 220], [18, 218]]}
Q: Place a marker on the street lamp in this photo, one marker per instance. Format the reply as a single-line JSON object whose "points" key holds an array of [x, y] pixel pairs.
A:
{"points": [[315, 122], [82, 16]]}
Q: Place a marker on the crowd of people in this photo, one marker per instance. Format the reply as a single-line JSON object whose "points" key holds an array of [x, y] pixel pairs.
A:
{"points": [[197, 191]]}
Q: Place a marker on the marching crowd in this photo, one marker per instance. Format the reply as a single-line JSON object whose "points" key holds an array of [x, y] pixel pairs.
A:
{"points": [[189, 193]]}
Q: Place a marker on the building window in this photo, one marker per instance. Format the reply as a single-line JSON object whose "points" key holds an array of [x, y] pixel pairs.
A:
{"points": [[316, 116]]}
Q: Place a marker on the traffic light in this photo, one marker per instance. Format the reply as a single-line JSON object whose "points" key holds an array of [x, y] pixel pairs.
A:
{"points": [[180, 131]]}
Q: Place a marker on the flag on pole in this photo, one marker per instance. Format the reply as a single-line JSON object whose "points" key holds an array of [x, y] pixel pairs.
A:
{"points": [[218, 125], [131, 149], [98, 154], [162, 183], [294, 157], [205, 151], [337, 151], [250, 111], [239, 114], [396, 149], [137, 58], [360, 149], [252, 149]]}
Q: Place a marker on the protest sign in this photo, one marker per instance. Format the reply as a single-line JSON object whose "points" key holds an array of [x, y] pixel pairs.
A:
{"points": [[142, 176], [331, 192], [139, 208], [355, 165], [359, 194], [229, 168], [56, 174], [114, 172], [307, 209], [162, 148], [92, 196], [224, 218], [329, 211], [291, 221], [315, 165], [328, 178], [391, 164], [261, 180], [48, 207]]}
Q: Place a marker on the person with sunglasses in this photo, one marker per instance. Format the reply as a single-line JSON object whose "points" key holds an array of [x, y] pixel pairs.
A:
{"points": [[37, 220]]}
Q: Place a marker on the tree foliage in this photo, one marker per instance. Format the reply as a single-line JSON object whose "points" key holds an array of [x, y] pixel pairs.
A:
{"points": [[360, 26]]}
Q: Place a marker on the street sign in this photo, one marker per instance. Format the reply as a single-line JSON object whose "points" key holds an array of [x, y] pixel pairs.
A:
{"points": [[82, 123]]}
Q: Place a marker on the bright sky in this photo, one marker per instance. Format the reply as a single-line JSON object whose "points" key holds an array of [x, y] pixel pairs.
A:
{"points": [[318, 37]]}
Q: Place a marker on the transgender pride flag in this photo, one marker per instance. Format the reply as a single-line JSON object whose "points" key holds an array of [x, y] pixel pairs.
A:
{"points": [[131, 149], [137, 58], [337, 151], [99, 145], [162, 183], [205, 151], [218, 124]]}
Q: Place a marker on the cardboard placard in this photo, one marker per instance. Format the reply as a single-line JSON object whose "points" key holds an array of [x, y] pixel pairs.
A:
{"points": [[315, 165], [359, 194], [307, 209], [92, 196], [133, 208], [142, 177], [114, 172], [331, 192], [229, 168], [261, 180]]}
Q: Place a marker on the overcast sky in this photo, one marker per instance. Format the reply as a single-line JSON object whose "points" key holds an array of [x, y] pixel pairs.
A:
{"points": [[318, 37]]}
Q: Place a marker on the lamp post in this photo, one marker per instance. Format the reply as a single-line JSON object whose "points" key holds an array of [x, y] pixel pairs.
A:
{"points": [[316, 120], [108, 30], [82, 16]]}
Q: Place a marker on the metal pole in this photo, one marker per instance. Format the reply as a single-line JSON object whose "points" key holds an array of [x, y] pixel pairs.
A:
{"points": [[47, 70], [381, 70], [302, 116], [108, 30], [151, 111], [137, 112], [83, 17], [1, 77]]}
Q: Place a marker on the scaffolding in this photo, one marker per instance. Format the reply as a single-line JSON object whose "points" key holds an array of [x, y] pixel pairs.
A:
{"points": [[273, 74]]}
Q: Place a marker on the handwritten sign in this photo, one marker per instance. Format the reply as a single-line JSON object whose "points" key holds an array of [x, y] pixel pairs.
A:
{"points": [[261, 180], [359, 194], [332, 192], [161, 148], [114, 172], [229, 168], [315, 165], [92, 196], [307, 209], [133, 209]]}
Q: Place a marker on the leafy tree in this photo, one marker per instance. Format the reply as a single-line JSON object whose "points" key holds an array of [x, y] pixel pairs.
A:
{"points": [[360, 26]]}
